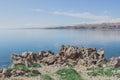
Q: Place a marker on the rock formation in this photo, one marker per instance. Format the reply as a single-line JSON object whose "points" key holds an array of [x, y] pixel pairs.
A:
{"points": [[67, 54], [114, 62], [71, 55]]}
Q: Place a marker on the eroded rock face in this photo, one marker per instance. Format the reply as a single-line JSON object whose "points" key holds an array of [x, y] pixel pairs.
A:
{"points": [[25, 58], [83, 56], [114, 62], [67, 54], [5, 73], [101, 53]]}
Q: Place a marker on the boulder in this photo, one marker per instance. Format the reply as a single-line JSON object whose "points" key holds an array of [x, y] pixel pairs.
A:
{"points": [[49, 60], [101, 53], [1, 70], [5, 73], [41, 54], [25, 54], [35, 72], [114, 62]]}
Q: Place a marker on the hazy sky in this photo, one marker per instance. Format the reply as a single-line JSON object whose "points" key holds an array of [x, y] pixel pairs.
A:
{"points": [[43, 13]]}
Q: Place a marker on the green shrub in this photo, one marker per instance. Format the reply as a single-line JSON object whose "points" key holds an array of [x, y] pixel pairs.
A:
{"points": [[46, 77], [31, 74], [92, 74], [68, 74], [25, 68], [35, 65], [102, 71]]}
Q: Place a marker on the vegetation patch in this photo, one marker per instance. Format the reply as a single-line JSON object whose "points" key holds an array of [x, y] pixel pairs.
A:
{"points": [[31, 74], [47, 77], [35, 65], [27, 71], [103, 72], [68, 74], [23, 67]]}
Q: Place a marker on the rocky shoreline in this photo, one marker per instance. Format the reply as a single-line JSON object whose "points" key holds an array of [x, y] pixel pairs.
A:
{"points": [[29, 63]]}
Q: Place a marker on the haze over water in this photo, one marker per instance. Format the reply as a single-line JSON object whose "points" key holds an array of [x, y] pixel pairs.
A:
{"points": [[21, 40]]}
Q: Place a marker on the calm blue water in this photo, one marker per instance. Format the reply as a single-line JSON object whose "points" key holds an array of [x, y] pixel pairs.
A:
{"points": [[18, 41]]}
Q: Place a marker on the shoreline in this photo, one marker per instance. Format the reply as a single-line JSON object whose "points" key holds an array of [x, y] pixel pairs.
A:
{"points": [[67, 57]]}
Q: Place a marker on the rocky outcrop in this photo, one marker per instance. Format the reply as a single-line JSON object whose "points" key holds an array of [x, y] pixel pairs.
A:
{"points": [[114, 62], [25, 58], [4, 73], [73, 55], [67, 54]]}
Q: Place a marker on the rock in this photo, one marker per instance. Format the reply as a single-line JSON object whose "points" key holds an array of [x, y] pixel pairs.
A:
{"points": [[114, 62], [5, 73], [42, 53], [85, 56], [71, 52], [59, 61], [20, 72], [49, 60], [50, 53], [81, 62], [13, 73], [36, 72], [1, 70], [62, 49], [1, 74], [25, 54], [101, 53], [74, 62]]}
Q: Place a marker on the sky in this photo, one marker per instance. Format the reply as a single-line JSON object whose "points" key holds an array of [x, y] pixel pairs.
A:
{"points": [[49, 13]]}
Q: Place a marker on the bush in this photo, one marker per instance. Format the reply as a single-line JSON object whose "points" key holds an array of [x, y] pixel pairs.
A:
{"points": [[25, 68], [35, 65], [68, 74], [102, 71]]}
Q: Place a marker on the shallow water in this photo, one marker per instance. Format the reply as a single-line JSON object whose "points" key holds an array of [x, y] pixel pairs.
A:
{"points": [[18, 41]]}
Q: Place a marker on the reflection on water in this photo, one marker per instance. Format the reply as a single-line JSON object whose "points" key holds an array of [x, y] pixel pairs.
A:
{"points": [[17, 41]]}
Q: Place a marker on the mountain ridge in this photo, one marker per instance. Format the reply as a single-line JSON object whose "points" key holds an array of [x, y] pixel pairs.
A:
{"points": [[89, 26]]}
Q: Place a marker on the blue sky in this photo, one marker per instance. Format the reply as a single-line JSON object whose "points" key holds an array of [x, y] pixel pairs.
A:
{"points": [[44, 13]]}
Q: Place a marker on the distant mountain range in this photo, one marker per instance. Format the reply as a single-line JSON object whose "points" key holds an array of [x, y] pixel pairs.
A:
{"points": [[89, 26]]}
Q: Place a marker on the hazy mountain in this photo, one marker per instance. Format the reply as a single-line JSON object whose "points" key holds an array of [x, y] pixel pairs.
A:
{"points": [[89, 26]]}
